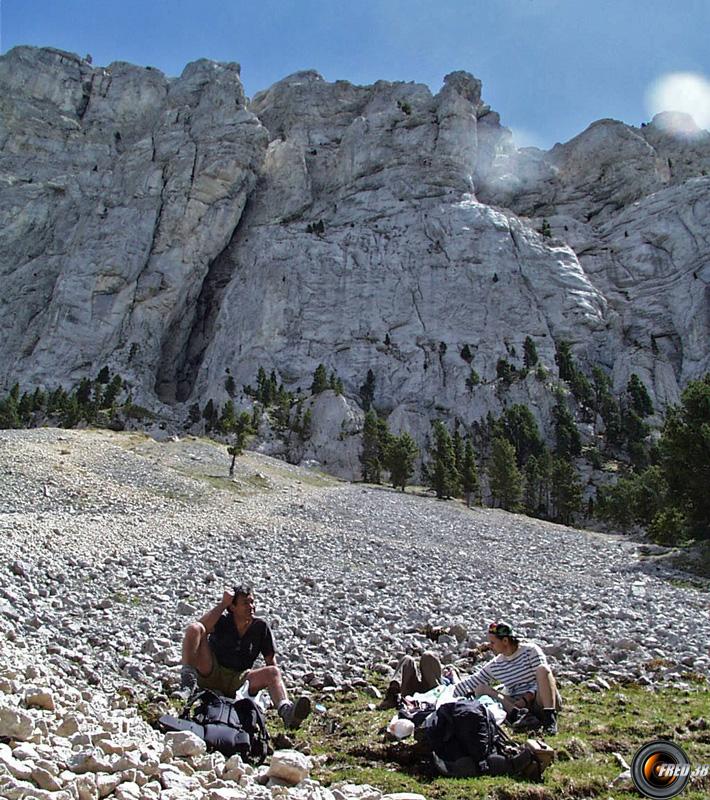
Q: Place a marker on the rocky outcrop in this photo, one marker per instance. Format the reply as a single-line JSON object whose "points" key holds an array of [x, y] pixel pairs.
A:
{"points": [[119, 190], [169, 229]]}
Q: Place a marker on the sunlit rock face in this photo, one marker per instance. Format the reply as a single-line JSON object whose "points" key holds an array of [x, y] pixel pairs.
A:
{"points": [[173, 231], [119, 190]]}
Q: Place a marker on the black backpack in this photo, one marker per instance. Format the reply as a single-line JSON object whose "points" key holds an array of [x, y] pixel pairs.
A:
{"points": [[466, 742], [461, 736], [229, 726]]}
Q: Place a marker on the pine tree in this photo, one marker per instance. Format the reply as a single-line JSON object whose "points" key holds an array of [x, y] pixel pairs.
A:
{"points": [[518, 426], [601, 386], [566, 490], [242, 429], [564, 360], [261, 385], [367, 391], [469, 474], [194, 413], [473, 380], [639, 398], [24, 409], [505, 371], [567, 438], [504, 476], [255, 417], [613, 425], [98, 400], [210, 415], [457, 444], [370, 456], [56, 401], [400, 455], [544, 468], [71, 412], [83, 393], [320, 380], [531, 494], [227, 419], [685, 455], [283, 403], [113, 390], [9, 417], [38, 400], [529, 353], [443, 477], [103, 376], [307, 425], [230, 386]]}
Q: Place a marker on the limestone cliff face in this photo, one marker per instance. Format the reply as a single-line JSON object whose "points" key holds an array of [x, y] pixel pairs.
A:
{"points": [[169, 229], [119, 190]]}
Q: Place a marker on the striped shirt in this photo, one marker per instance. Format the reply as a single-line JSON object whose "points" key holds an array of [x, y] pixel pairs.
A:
{"points": [[516, 672]]}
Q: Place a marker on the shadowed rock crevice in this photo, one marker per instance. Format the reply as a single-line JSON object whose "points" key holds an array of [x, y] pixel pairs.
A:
{"points": [[190, 334]]}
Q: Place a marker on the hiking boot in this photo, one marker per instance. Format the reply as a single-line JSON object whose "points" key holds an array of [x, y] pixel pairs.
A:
{"points": [[549, 721], [514, 715], [188, 683], [391, 698], [293, 714], [527, 721]]}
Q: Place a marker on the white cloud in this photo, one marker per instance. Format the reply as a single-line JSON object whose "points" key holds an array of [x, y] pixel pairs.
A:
{"points": [[688, 92], [523, 137]]}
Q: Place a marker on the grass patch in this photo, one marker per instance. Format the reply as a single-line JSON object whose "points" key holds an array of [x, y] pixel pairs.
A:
{"points": [[594, 726]]}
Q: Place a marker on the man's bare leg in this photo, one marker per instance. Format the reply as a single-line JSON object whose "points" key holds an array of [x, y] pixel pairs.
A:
{"points": [[196, 651], [548, 697], [546, 688], [269, 678]]}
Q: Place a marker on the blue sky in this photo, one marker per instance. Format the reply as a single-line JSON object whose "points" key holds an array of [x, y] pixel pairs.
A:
{"points": [[549, 67]]}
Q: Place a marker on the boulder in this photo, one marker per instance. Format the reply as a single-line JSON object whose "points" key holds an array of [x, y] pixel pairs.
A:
{"points": [[16, 723], [289, 766]]}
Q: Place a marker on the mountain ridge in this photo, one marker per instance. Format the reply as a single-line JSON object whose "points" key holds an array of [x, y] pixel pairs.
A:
{"points": [[175, 232]]}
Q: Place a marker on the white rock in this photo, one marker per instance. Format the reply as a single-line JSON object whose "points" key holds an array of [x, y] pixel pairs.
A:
{"points": [[352, 791], [290, 766], [70, 724], [128, 791], [45, 780], [16, 723], [403, 796], [18, 769], [36, 697], [86, 786], [227, 794], [89, 761], [105, 784], [185, 743]]}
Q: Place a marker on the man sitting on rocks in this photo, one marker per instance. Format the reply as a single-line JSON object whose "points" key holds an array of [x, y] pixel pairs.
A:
{"points": [[219, 651], [529, 694]]}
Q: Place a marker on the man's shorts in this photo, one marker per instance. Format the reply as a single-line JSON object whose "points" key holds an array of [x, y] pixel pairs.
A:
{"points": [[222, 679], [531, 700]]}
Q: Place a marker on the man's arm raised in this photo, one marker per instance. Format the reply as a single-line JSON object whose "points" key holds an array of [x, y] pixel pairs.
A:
{"points": [[209, 620]]}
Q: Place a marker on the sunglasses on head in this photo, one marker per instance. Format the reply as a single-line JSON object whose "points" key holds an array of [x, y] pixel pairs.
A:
{"points": [[500, 629]]}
